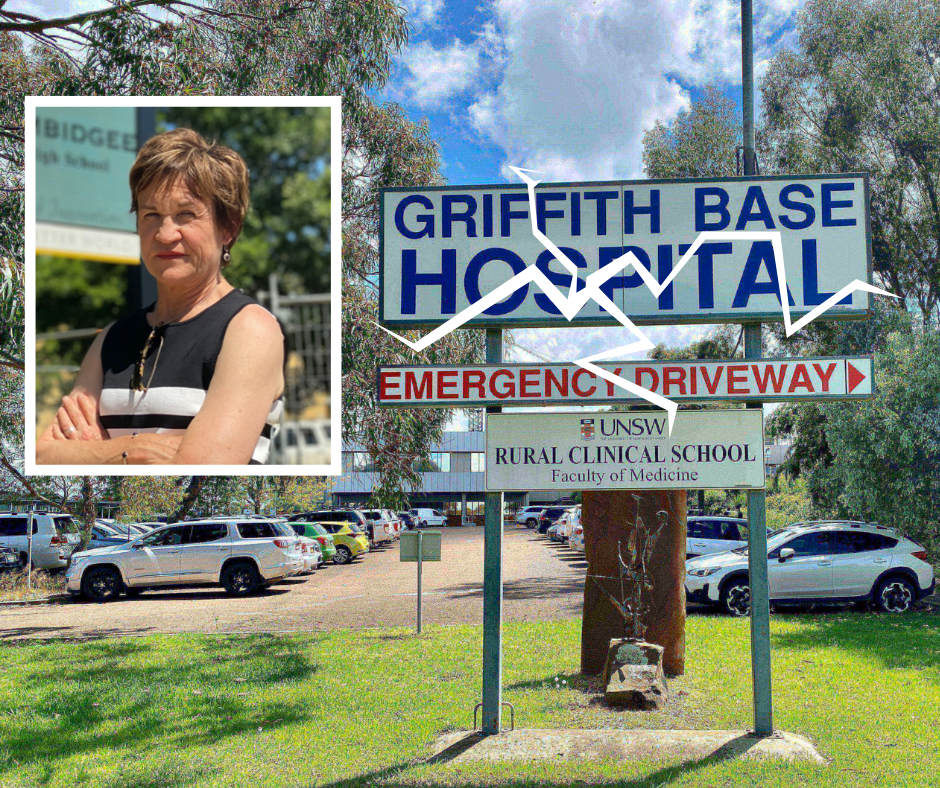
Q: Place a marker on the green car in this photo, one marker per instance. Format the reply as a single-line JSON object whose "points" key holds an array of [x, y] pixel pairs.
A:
{"points": [[318, 532]]}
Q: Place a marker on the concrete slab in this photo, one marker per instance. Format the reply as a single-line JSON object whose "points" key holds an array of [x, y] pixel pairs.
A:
{"points": [[674, 746]]}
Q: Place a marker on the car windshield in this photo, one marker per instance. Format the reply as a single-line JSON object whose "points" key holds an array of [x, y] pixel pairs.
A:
{"points": [[354, 528], [284, 529], [373, 515], [773, 540]]}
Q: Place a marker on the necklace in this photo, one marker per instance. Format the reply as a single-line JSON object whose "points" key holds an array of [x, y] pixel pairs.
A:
{"points": [[137, 379]]}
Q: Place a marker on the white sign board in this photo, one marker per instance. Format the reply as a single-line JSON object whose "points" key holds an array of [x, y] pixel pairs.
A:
{"points": [[444, 248], [739, 380], [718, 449]]}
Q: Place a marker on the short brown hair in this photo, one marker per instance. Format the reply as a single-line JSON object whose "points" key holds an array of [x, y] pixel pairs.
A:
{"points": [[212, 172]]}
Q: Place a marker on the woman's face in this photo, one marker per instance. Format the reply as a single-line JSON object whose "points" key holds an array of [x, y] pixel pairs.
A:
{"points": [[180, 242]]}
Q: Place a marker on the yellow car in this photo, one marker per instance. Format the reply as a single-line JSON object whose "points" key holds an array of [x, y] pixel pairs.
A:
{"points": [[349, 540]]}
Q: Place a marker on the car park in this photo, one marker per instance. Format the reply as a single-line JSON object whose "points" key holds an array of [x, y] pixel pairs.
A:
{"points": [[713, 534], [428, 518], [529, 516], [55, 535], [242, 555], [829, 562], [324, 538], [349, 540]]}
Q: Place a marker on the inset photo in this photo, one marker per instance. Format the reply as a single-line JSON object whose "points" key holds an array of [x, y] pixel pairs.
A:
{"points": [[183, 285]]}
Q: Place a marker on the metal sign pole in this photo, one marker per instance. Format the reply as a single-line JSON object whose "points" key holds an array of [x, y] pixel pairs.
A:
{"points": [[29, 552], [756, 499], [493, 579], [420, 556]]}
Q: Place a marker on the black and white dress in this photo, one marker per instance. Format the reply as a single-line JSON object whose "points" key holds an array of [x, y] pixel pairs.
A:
{"points": [[185, 368]]}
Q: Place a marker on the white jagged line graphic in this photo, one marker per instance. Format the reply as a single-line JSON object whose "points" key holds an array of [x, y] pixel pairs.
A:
{"points": [[571, 304]]}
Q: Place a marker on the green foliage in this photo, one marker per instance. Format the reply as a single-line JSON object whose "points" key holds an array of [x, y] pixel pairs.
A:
{"points": [[788, 502], [287, 150], [700, 143], [860, 94]]}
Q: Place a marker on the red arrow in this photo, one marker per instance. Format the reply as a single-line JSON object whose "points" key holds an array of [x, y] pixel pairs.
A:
{"points": [[855, 377]]}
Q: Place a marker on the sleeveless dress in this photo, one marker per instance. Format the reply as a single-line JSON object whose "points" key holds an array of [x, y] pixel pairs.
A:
{"points": [[184, 370]]}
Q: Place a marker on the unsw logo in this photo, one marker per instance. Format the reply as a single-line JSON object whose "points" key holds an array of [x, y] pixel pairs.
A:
{"points": [[587, 429]]}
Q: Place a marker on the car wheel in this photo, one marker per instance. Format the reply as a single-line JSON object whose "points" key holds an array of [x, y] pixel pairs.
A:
{"points": [[102, 584], [343, 555], [736, 598], [241, 579], [531, 522], [895, 595], [424, 523]]}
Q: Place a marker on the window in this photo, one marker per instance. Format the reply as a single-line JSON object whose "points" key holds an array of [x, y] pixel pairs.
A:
{"points": [[437, 462], [13, 526], [808, 545], [861, 542], [362, 462], [208, 532], [258, 529], [477, 462], [166, 538], [730, 531], [66, 525]]}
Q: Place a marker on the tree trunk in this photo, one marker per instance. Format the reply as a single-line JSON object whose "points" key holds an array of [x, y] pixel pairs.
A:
{"points": [[192, 493], [89, 507], [608, 518]]}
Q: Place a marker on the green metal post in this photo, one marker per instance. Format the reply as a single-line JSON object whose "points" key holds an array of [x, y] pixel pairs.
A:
{"points": [[757, 572], [756, 499], [493, 580]]}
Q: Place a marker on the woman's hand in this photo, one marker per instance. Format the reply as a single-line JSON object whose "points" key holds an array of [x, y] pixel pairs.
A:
{"points": [[151, 448], [77, 419]]}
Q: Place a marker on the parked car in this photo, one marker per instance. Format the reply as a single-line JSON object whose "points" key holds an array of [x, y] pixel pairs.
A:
{"points": [[318, 532], [349, 540], [712, 534], [103, 535], [429, 518], [529, 516], [381, 528], [353, 516], [55, 535], [829, 562], [9, 559], [407, 520], [549, 517], [576, 542], [567, 521], [554, 533], [241, 555]]}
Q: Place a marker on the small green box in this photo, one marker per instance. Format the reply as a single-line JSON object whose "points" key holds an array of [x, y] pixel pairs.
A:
{"points": [[430, 546]]}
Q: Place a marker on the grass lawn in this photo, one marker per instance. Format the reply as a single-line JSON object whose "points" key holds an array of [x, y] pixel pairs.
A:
{"points": [[359, 708]]}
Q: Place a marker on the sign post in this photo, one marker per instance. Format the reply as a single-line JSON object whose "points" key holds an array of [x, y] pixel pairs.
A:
{"points": [[756, 499], [417, 547], [493, 579]]}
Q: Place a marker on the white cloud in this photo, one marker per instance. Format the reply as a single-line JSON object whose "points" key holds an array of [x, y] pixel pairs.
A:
{"points": [[422, 13], [433, 77], [566, 344], [581, 80]]}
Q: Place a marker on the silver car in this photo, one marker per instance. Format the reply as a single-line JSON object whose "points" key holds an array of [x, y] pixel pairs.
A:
{"points": [[829, 562], [53, 537], [243, 555]]}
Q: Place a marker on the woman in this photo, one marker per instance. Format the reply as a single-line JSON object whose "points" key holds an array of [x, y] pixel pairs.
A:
{"points": [[196, 377]]}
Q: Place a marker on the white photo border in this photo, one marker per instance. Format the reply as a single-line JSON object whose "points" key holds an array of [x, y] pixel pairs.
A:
{"points": [[336, 158]]}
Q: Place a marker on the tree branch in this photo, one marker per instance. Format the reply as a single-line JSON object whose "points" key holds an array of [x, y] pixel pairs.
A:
{"points": [[26, 483]]}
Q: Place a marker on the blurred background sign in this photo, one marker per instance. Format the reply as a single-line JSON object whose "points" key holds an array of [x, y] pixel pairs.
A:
{"points": [[83, 156]]}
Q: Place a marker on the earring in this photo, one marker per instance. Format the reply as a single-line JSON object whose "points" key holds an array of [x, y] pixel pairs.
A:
{"points": [[226, 254]]}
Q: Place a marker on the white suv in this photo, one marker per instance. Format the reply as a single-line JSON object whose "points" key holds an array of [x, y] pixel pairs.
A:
{"points": [[707, 535], [529, 516], [827, 562], [54, 536], [241, 554]]}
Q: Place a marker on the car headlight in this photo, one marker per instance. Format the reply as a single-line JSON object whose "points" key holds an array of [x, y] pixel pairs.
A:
{"points": [[704, 572]]}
